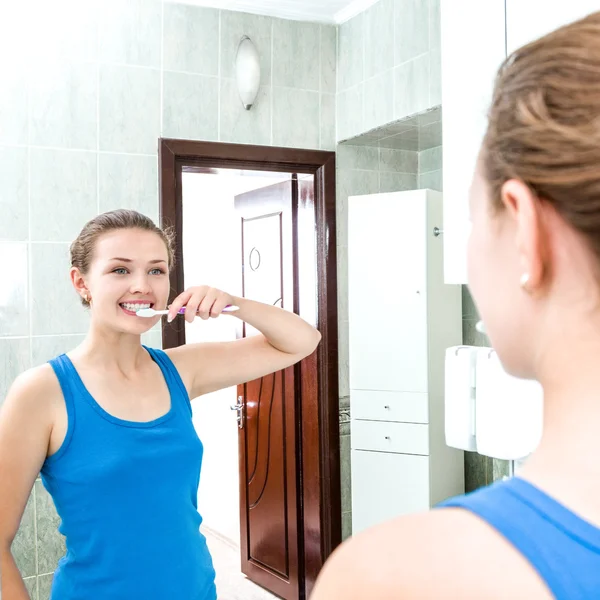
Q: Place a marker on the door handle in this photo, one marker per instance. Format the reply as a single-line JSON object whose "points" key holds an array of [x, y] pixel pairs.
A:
{"points": [[239, 408]]}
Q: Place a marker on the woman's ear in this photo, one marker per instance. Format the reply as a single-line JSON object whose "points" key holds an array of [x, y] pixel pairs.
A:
{"points": [[524, 208], [79, 283]]}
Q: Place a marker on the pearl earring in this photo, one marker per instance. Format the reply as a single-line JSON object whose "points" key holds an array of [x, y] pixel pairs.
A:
{"points": [[524, 280]]}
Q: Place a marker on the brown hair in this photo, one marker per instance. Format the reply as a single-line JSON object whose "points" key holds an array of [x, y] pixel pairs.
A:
{"points": [[82, 248], [544, 124]]}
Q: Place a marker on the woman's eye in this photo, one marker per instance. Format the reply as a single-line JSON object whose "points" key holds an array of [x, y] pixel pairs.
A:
{"points": [[120, 271], [157, 272]]}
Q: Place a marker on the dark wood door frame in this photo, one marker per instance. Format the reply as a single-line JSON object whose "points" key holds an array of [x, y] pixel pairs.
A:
{"points": [[319, 483]]}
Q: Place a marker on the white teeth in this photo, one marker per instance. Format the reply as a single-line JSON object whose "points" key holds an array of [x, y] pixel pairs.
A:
{"points": [[134, 307]]}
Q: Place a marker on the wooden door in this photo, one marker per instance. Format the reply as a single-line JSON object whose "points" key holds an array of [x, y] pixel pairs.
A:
{"points": [[268, 434]]}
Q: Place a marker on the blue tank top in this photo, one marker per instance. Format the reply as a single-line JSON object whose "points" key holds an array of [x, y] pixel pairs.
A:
{"points": [[126, 494], [562, 547]]}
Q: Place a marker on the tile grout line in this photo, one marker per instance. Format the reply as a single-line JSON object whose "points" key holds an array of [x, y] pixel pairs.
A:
{"points": [[97, 117], [35, 534], [320, 84], [29, 235], [272, 101], [219, 50], [162, 68]]}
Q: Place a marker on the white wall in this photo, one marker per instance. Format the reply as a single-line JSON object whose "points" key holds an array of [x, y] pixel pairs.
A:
{"points": [[212, 256]]}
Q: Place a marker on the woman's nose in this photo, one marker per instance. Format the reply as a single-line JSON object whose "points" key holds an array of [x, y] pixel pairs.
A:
{"points": [[140, 285]]}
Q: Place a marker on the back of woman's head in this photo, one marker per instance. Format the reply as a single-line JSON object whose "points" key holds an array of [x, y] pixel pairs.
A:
{"points": [[544, 124]]}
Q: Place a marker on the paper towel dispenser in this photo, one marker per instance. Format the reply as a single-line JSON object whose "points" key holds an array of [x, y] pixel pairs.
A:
{"points": [[488, 410]]}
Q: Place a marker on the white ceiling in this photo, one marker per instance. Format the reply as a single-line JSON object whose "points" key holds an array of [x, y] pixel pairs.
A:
{"points": [[321, 11]]}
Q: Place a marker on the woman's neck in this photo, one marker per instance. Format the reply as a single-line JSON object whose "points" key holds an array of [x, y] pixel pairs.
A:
{"points": [[111, 350]]}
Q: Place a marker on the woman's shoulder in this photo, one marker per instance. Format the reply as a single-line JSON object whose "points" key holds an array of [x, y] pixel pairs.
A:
{"points": [[443, 553], [37, 387]]}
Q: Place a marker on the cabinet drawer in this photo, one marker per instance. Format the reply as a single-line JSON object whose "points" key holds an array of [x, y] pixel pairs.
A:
{"points": [[383, 436], [376, 405]]}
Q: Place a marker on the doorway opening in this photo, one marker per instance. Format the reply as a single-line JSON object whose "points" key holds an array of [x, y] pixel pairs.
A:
{"points": [[260, 223]]}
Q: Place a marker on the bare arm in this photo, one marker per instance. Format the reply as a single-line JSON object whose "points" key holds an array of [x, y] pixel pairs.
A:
{"points": [[25, 427], [286, 339]]}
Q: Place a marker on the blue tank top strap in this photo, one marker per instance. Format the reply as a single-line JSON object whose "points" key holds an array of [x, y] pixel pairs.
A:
{"points": [[172, 376], [64, 371], [562, 547]]}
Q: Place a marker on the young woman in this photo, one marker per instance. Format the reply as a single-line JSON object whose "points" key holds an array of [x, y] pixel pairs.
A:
{"points": [[534, 271], [110, 424]]}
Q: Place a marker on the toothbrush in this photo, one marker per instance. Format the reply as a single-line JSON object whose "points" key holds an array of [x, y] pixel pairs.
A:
{"points": [[150, 312]]}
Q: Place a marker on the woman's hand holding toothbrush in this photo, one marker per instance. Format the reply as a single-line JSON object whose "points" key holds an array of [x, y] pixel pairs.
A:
{"points": [[201, 301]]}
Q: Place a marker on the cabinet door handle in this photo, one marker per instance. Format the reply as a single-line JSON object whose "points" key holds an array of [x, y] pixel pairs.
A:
{"points": [[387, 437], [386, 407]]}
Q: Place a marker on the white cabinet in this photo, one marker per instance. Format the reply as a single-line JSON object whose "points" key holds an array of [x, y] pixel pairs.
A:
{"points": [[473, 47], [402, 317], [476, 37], [527, 20]]}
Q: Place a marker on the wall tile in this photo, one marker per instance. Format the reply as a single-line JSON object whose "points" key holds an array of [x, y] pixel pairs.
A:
{"points": [[411, 21], [477, 468], [191, 39], [357, 157], [290, 108], [63, 193], [31, 585], [130, 32], [345, 473], [127, 181], [244, 126], [500, 468], [55, 306], [346, 525], [152, 338], [430, 160], [344, 403], [431, 180], [14, 297], [14, 127], [399, 161], [378, 100], [435, 40], [379, 38], [328, 58], [350, 53], [355, 183], [234, 25], [14, 359], [296, 47], [328, 136], [430, 135], [343, 343], [469, 310], [65, 30], [14, 193], [190, 106], [47, 347], [48, 537], [23, 547], [349, 113], [63, 105], [45, 586], [342, 301], [397, 182], [435, 76], [411, 87], [472, 337], [129, 109]]}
